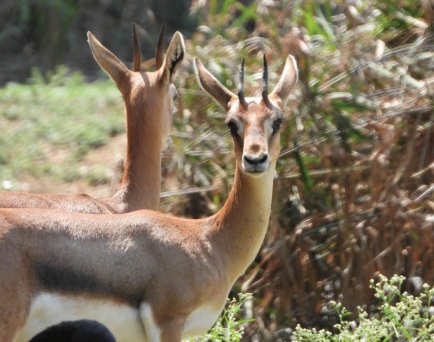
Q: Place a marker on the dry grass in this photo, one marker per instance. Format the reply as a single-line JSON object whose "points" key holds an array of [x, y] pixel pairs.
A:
{"points": [[354, 195]]}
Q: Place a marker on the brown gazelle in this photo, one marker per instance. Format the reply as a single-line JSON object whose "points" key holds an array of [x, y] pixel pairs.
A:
{"points": [[146, 275], [148, 99]]}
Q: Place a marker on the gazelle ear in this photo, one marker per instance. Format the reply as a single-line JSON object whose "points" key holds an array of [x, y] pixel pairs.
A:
{"points": [[108, 61], [174, 55], [287, 81], [212, 86]]}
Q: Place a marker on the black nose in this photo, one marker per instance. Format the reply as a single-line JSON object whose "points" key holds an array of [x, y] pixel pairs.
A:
{"points": [[256, 160]]}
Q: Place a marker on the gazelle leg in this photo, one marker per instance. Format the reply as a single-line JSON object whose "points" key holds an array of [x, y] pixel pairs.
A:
{"points": [[14, 295], [171, 331], [166, 330]]}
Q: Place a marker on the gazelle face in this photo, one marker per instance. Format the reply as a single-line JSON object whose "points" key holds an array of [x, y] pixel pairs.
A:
{"points": [[254, 123], [255, 132]]}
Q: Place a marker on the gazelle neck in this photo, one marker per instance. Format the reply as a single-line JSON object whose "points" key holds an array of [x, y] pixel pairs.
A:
{"points": [[147, 99], [143, 157], [239, 227]]}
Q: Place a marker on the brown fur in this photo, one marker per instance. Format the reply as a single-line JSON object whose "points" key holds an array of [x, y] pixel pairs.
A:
{"points": [[148, 103], [175, 265]]}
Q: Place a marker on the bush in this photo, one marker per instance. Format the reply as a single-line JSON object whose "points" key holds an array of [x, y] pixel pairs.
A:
{"points": [[398, 316]]}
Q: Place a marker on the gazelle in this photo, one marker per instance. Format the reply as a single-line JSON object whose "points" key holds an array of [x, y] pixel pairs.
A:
{"points": [[146, 275], [148, 99]]}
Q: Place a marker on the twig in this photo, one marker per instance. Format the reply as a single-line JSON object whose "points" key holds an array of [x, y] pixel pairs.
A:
{"points": [[188, 191]]}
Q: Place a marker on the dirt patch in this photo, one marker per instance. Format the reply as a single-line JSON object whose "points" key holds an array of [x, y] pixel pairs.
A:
{"points": [[111, 155]]}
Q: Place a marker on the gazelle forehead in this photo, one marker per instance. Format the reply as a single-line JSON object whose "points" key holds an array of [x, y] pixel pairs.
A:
{"points": [[256, 100], [256, 111]]}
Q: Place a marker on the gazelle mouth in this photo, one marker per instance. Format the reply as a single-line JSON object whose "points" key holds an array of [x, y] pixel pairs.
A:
{"points": [[255, 170]]}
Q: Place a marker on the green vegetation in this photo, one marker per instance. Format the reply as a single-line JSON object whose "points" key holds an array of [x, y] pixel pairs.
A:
{"points": [[48, 126], [398, 316], [230, 325]]}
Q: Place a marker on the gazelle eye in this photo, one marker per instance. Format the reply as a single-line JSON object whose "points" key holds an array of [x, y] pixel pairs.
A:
{"points": [[233, 128], [276, 125]]}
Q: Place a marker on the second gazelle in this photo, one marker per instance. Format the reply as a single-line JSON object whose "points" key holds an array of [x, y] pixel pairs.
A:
{"points": [[148, 99]]}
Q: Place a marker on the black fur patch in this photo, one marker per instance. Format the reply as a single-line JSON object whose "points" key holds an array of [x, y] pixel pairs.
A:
{"points": [[66, 281]]}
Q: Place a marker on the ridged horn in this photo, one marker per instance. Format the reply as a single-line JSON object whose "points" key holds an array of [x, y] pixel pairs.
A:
{"points": [[160, 43], [265, 80], [241, 96]]}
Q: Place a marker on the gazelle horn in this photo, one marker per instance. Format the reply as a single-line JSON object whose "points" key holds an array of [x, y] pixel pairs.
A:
{"points": [[137, 62], [160, 43], [265, 80], [241, 97]]}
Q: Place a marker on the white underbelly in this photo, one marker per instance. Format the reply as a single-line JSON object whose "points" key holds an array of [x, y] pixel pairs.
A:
{"points": [[49, 309], [123, 321]]}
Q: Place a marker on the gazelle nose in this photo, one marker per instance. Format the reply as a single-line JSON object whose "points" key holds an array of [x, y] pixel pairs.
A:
{"points": [[256, 160]]}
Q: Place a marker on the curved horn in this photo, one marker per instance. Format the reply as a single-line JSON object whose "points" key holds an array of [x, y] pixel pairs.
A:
{"points": [[137, 62], [241, 97], [160, 43]]}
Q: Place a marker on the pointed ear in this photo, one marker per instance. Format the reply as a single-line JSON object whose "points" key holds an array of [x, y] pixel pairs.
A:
{"points": [[174, 55], [108, 61], [212, 86], [287, 81]]}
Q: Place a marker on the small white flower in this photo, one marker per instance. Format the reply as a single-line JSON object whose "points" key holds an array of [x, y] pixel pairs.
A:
{"points": [[7, 185]]}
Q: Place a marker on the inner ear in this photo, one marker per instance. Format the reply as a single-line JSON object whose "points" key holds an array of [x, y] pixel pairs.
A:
{"points": [[174, 56]]}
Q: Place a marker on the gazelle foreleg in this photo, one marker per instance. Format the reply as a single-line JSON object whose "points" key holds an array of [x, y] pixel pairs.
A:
{"points": [[167, 329], [15, 294]]}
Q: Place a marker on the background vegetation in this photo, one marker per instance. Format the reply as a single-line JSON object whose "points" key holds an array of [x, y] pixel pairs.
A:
{"points": [[354, 192]]}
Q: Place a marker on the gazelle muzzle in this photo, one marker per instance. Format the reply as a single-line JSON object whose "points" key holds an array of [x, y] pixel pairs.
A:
{"points": [[255, 163]]}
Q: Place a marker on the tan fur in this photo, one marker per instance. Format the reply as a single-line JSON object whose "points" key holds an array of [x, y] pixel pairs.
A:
{"points": [[148, 259], [148, 99]]}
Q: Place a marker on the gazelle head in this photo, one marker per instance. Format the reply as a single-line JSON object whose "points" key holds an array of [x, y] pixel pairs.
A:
{"points": [[148, 96], [254, 122]]}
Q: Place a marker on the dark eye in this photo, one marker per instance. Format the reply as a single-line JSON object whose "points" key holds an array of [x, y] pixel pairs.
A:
{"points": [[233, 128], [276, 125]]}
